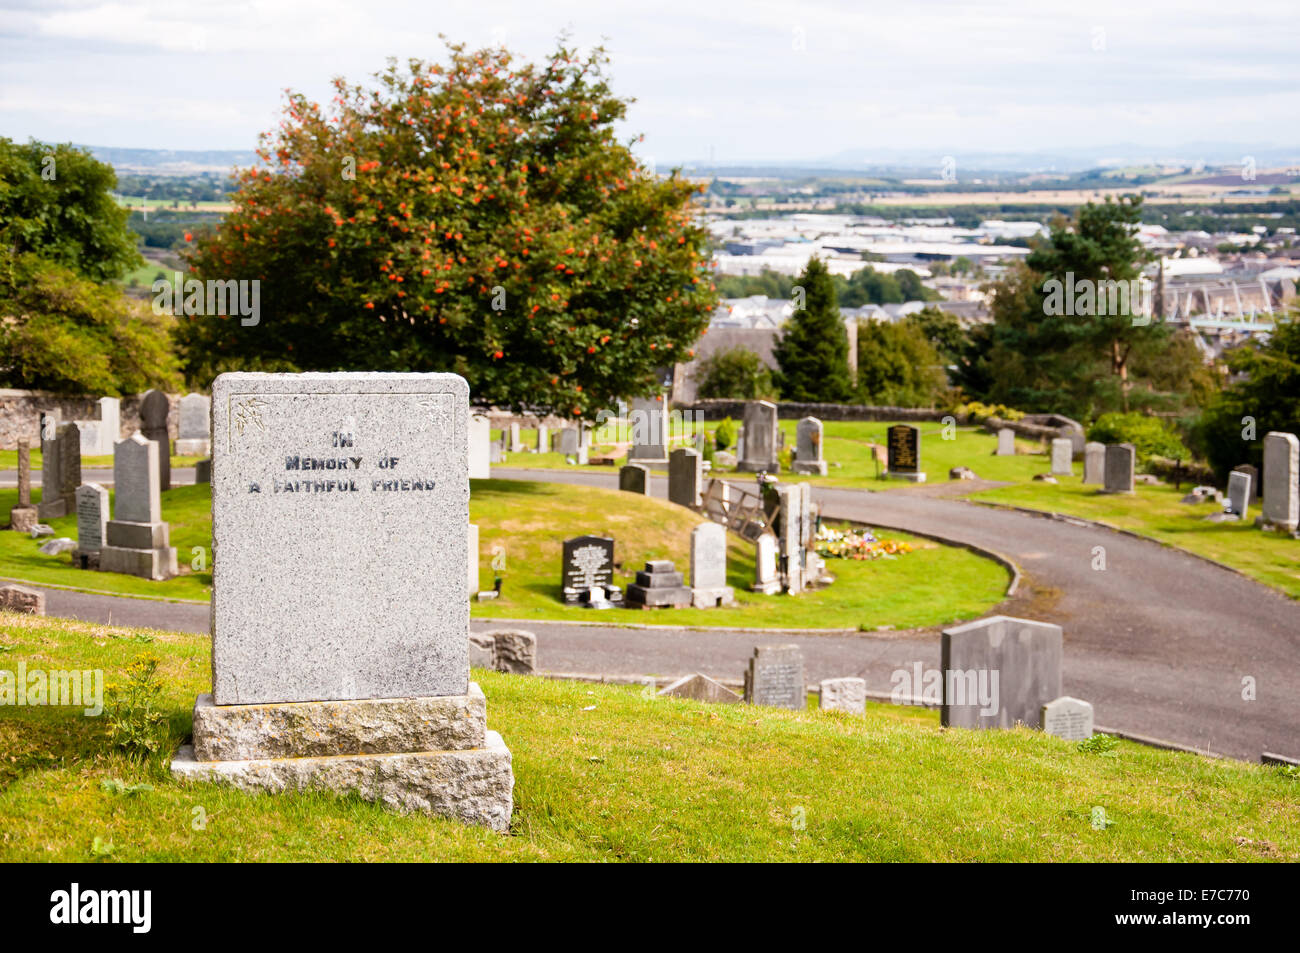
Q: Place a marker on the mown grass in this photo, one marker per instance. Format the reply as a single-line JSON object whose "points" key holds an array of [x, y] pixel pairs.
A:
{"points": [[1155, 511], [526, 524], [605, 773], [9, 461]]}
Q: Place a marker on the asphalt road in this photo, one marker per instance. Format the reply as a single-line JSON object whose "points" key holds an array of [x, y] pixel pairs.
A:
{"points": [[1159, 641]]}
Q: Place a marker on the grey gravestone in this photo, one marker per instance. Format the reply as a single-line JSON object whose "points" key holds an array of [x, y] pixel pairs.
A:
{"points": [[684, 473], [203, 471], [808, 447], [903, 445], [194, 432], [60, 473], [516, 445], [1073, 431], [775, 677], [480, 436], [709, 587], [155, 408], [1068, 718], [568, 440], [24, 515], [1256, 489], [795, 531], [496, 453], [758, 454], [649, 425], [844, 694], [766, 579], [543, 438], [1094, 463], [1239, 494], [1062, 455], [700, 688], [634, 478], [587, 562], [659, 586], [999, 671], [92, 517], [1281, 475], [362, 481], [1006, 442], [1119, 468], [136, 540]]}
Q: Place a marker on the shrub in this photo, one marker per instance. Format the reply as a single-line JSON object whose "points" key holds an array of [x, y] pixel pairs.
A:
{"points": [[735, 374], [724, 437], [1150, 436], [136, 722]]}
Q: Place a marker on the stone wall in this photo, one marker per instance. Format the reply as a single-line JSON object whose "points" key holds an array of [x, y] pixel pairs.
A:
{"points": [[20, 414]]}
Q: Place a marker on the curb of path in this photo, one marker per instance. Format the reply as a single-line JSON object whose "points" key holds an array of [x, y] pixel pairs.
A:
{"points": [[742, 630], [105, 592], [1132, 534]]}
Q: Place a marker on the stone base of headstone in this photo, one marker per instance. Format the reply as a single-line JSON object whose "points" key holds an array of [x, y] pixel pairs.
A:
{"points": [[658, 586], [193, 447], [819, 467], [23, 518], [138, 549], [751, 466], [1224, 517], [918, 477], [713, 598], [88, 559], [414, 755], [770, 588], [53, 510]]}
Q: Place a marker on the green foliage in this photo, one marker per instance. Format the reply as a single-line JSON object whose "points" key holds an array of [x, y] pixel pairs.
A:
{"points": [[898, 366], [138, 719], [1267, 391], [724, 437], [57, 202], [738, 374], [771, 284], [942, 330], [864, 286], [478, 216], [1101, 744], [64, 333], [813, 349], [981, 412], [1150, 436]]}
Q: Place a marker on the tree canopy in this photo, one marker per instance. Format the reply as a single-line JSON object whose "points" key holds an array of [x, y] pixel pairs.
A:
{"points": [[813, 349], [477, 216]]}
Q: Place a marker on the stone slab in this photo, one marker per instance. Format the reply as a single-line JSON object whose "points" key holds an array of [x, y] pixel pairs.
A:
{"points": [[775, 676], [137, 535], [1062, 456], [1068, 718], [22, 599], [145, 563], [844, 694], [322, 729], [712, 597], [1094, 463], [700, 688], [475, 786], [1003, 670]]}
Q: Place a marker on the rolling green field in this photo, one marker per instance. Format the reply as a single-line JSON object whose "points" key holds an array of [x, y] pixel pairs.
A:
{"points": [[604, 773], [523, 526]]}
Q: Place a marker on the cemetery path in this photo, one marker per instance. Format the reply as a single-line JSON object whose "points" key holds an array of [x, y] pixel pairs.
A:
{"points": [[1162, 643]]}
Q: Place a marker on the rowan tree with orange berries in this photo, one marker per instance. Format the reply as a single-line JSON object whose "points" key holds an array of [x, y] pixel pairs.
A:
{"points": [[478, 216]]}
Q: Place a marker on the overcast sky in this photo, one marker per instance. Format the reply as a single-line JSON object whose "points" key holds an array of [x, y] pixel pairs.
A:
{"points": [[735, 81]]}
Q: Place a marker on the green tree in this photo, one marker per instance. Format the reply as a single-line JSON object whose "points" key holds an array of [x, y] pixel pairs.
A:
{"points": [[942, 330], [898, 366], [57, 202], [477, 216], [737, 373], [812, 352]]}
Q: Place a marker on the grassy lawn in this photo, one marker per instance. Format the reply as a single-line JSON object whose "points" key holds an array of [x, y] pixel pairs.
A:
{"points": [[529, 523], [1155, 511], [606, 773], [9, 461]]}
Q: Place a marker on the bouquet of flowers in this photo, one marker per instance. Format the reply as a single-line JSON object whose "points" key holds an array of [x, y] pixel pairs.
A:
{"points": [[856, 544]]}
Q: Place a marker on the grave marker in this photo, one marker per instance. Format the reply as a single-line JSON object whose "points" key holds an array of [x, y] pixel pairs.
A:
{"points": [[1062, 457], [904, 453], [1281, 480], [1119, 468], [1068, 718], [808, 447], [1094, 463], [775, 677], [709, 587], [999, 671], [684, 472], [155, 409], [758, 448], [194, 432]]}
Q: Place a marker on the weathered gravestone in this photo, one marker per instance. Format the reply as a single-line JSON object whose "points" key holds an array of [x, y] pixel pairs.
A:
{"points": [[1238, 494], [634, 478], [136, 540], [808, 447], [904, 453], [22, 599], [516, 444], [709, 587], [775, 677], [543, 438], [480, 437], [194, 431], [1094, 463], [1256, 488], [1068, 718], [758, 451], [92, 523], [340, 626], [649, 425], [659, 586], [1062, 455], [684, 473], [1281, 481], [700, 688], [23, 516], [60, 473], [99, 435], [568, 440], [1072, 431], [795, 531], [504, 650], [766, 578], [1119, 468], [587, 563], [844, 694], [155, 409], [999, 671], [1006, 442]]}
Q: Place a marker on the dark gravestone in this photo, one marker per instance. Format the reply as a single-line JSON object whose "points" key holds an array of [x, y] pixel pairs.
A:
{"points": [[1256, 491], [588, 563], [155, 408], [904, 449], [999, 671], [659, 586], [775, 677]]}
